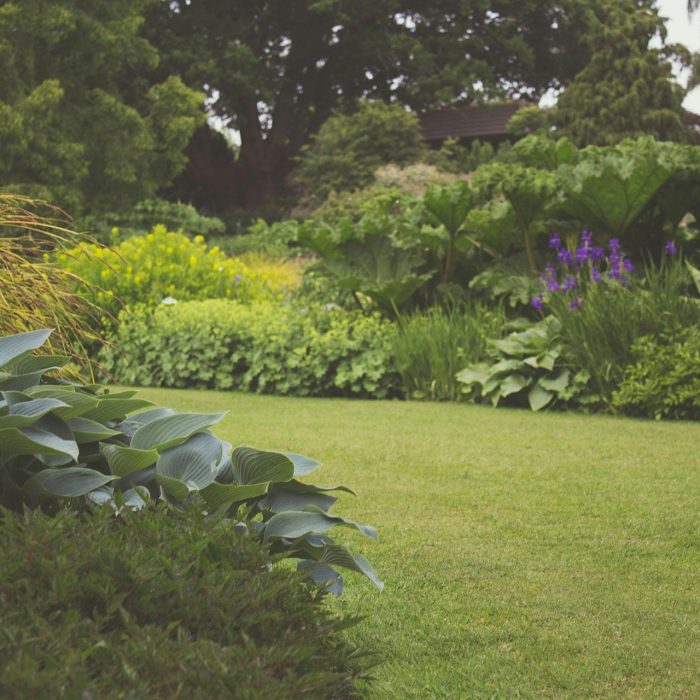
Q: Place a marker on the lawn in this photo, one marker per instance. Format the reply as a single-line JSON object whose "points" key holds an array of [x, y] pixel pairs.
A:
{"points": [[524, 555]]}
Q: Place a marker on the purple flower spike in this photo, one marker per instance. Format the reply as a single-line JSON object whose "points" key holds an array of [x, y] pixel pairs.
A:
{"points": [[597, 253], [575, 304], [537, 302], [670, 248], [568, 284], [582, 256], [627, 264], [552, 285], [564, 257], [595, 275], [586, 238], [555, 241], [614, 246]]}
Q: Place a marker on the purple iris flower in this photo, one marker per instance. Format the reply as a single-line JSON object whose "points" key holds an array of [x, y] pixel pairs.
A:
{"points": [[586, 238], [575, 304], [564, 256], [627, 265], [568, 284], [582, 256], [670, 248], [614, 246], [597, 253], [555, 241], [552, 285], [595, 275], [537, 302]]}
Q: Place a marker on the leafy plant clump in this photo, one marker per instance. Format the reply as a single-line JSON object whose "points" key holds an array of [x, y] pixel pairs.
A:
{"points": [[65, 440], [263, 347], [663, 380], [160, 604]]}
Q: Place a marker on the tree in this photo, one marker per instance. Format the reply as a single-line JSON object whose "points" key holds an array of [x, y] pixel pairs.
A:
{"points": [[275, 70], [82, 120], [349, 147], [627, 88]]}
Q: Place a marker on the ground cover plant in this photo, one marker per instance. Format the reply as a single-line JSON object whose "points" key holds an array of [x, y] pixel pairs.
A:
{"points": [[68, 441], [525, 555], [161, 604]]}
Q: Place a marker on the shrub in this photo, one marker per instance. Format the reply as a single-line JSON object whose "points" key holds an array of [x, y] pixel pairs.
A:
{"points": [[159, 604], [80, 442], [218, 344], [147, 269], [33, 290], [430, 348], [663, 379]]}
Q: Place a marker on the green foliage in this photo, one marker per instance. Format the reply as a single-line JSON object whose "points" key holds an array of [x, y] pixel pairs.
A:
{"points": [[159, 604], [63, 440], [158, 265], [600, 336], [175, 216], [33, 290], [429, 348], [627, 88], [529, 120], [267, 348], [85, 120], [526, 362], [350, 147]]}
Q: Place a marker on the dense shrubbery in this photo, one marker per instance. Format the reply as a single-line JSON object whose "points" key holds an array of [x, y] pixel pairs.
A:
{"points": [[161, 264], [159, 604], [663, 377], [261, 347]]}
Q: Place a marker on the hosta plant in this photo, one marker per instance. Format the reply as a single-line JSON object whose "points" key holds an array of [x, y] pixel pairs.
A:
{"points": [[66, 441]]}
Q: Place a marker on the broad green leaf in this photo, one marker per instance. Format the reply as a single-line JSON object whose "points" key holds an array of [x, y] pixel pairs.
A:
{"points": [[12, 346], [19, 382], [42, 438], [293, 524], [332, 554], [28, 363], [192, 464], [474, 374], [279, 500], [136, 420], [68, 482], [76, 402], [295, 486], [170, 431], [115, 408], [220, 496], [322, 575], [85, 430], [302, 465], [538, 397], [512, 384], [251, 466], [26, 413], [558, 383], [123, 461]]}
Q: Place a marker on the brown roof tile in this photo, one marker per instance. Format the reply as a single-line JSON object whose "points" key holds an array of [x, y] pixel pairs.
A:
{"points": [[468, 122]]}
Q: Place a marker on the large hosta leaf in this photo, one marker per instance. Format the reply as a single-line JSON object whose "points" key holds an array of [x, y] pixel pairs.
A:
{"points": [[77, 402], [109, 408], [123, 461], [302, 465], [13, 346], [19, 382], [85, 430], [190, 466], [328, 554], [293, 524], [26, 413], [170, 431], [279, 500], [218, 497], [27, 363], [68, 482], [48, 436], [251, 466]]}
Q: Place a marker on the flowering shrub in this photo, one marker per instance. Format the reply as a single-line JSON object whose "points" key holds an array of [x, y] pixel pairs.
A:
{"points": [[159, 265]]}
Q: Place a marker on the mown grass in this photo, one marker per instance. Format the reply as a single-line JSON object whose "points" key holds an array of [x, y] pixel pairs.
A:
{"points": [[524, 555]]}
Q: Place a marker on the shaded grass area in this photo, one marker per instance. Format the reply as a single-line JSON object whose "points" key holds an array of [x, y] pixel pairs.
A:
{"points": [[524, 555]]}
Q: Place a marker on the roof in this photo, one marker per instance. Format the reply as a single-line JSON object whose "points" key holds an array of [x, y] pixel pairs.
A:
{"points": [[468, 122]]}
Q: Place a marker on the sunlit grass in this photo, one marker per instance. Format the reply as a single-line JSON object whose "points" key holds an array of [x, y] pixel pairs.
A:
{"points": [[524, 555]]}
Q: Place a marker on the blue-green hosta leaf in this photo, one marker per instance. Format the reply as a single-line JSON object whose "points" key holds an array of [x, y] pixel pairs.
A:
{"points": [[295, 486], [28, 363], [77, 402], [13, 346], [85, 430], [48, 436], [219, 497], [13, 397], [322, 575], [137, 420], [68, 482], [251, 466], [190, 466], [279, 500], [302, 465], [331, 554], [26, 413], [109, 408], [474, 374], [170, 431], [558, 383], [538, 397], [123, 461], [293, 524], [19, 382]]}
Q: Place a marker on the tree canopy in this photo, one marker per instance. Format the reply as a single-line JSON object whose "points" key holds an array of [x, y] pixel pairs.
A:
{"points": [[83, 121], [627, 88]]}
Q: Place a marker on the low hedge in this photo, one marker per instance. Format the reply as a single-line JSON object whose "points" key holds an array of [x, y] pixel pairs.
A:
{"points": [[157, 604], [263, 347]]}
